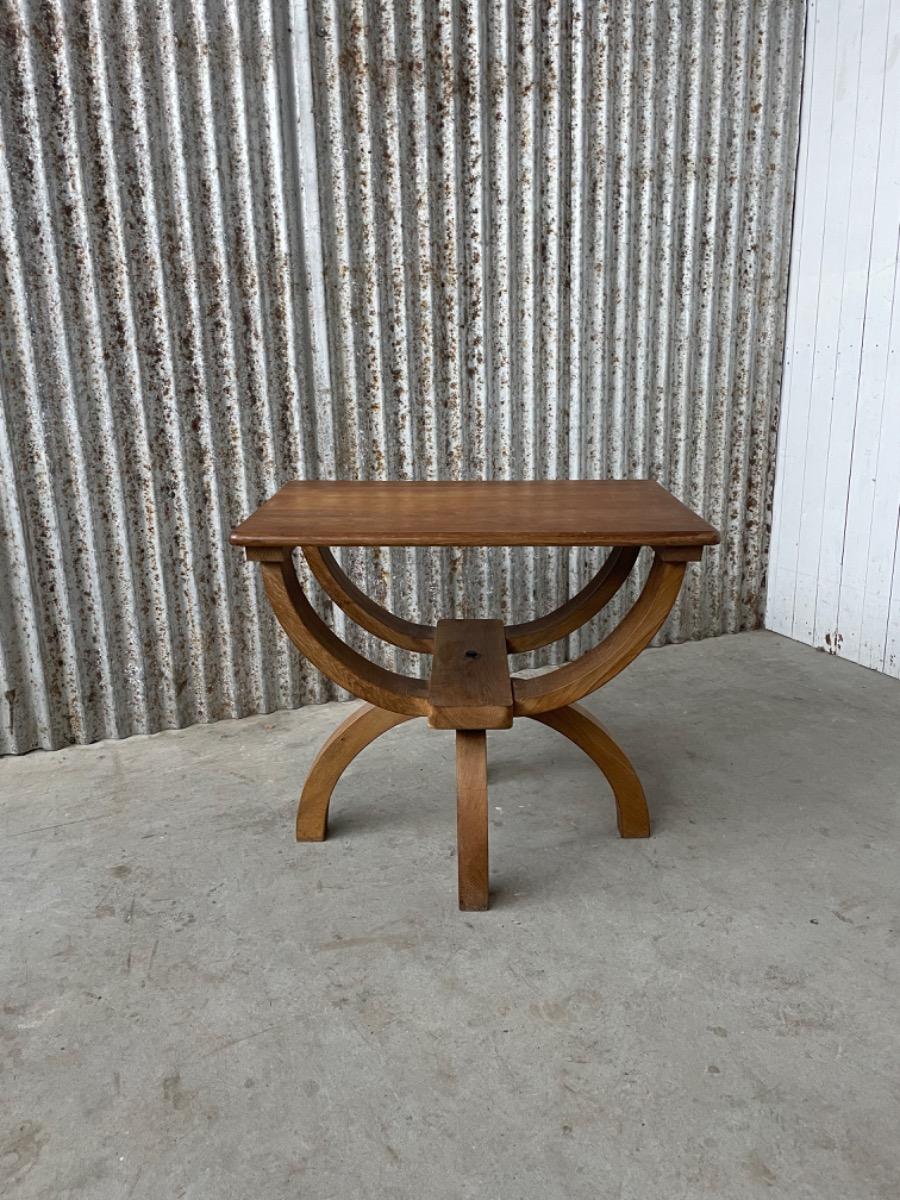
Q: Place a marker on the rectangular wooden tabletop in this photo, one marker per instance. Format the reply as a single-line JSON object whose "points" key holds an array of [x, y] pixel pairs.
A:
{"points": [[568, 512]]}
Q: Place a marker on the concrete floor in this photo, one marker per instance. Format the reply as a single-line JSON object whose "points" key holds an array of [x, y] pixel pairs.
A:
{"points": [[195, 1006]]}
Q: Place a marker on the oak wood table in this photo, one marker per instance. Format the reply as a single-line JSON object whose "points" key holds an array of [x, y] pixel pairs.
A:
{"points": [[470, 688]]}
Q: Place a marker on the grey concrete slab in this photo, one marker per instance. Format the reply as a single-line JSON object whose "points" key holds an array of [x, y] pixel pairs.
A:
{"points": [[195, 1006]]}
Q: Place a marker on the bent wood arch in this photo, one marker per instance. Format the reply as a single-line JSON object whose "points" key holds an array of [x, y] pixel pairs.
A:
{"points": [[360, 608], [527, 635], [583, 728], [334, 658], [598, 665], [595, 595], [361, 728]]}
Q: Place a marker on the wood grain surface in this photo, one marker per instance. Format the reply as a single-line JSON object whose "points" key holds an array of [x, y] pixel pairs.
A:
{"points": [[363, 726], [567, 512], [472, 819], [470, 686], [582, 727]]}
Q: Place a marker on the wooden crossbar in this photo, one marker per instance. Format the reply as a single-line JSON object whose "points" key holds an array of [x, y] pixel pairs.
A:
{"points": [[470, 686]]}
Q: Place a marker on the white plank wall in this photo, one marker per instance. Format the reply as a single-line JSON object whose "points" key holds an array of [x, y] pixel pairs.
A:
{"points": [[834, 569]]}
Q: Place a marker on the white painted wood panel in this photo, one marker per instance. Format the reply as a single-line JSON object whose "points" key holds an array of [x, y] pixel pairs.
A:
{"points": [[834, 569]]}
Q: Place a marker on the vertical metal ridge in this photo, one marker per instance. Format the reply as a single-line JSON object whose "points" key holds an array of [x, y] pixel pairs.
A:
{"points": [[244, 243], [525, 595], [746, 316], [551, 401], [498, 266], [64, 519], [175, 591], [786, 46], [116, 640], [702, 360], [29, 515], [399, 413], [189, 368], [210, 391], [429, 582], [575, 40], [441, 54], [475, 566]]}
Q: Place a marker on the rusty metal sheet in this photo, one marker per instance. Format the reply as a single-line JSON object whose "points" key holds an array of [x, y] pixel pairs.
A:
{"points": [[242, 243]]}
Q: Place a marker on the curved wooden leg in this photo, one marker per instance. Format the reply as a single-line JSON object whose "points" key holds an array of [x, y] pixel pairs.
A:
{"points": [[352, 735], [574, 680], [363, 610], [582, 728], [472, 819], [341, 663]]}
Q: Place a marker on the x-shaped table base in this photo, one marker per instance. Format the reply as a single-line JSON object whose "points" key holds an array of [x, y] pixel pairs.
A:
{"points": [[470, 689], [469, 698], [368, 722]]}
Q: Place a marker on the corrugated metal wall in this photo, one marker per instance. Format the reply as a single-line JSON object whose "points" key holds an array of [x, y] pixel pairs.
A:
{"points": [[241, 243]]}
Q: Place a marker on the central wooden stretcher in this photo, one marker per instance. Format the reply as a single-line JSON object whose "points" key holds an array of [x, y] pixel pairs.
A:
{"points": [[470, 689]]}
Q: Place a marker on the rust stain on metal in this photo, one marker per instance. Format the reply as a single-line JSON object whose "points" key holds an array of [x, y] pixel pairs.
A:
{"points": [[453, 240]]}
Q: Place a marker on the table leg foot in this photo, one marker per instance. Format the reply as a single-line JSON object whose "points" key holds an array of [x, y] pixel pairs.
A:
{"points": [[363, 726], [582, 728], [472, 819]]}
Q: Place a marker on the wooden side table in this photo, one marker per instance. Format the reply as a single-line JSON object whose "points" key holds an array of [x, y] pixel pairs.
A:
{"points": [[470, 689]]}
